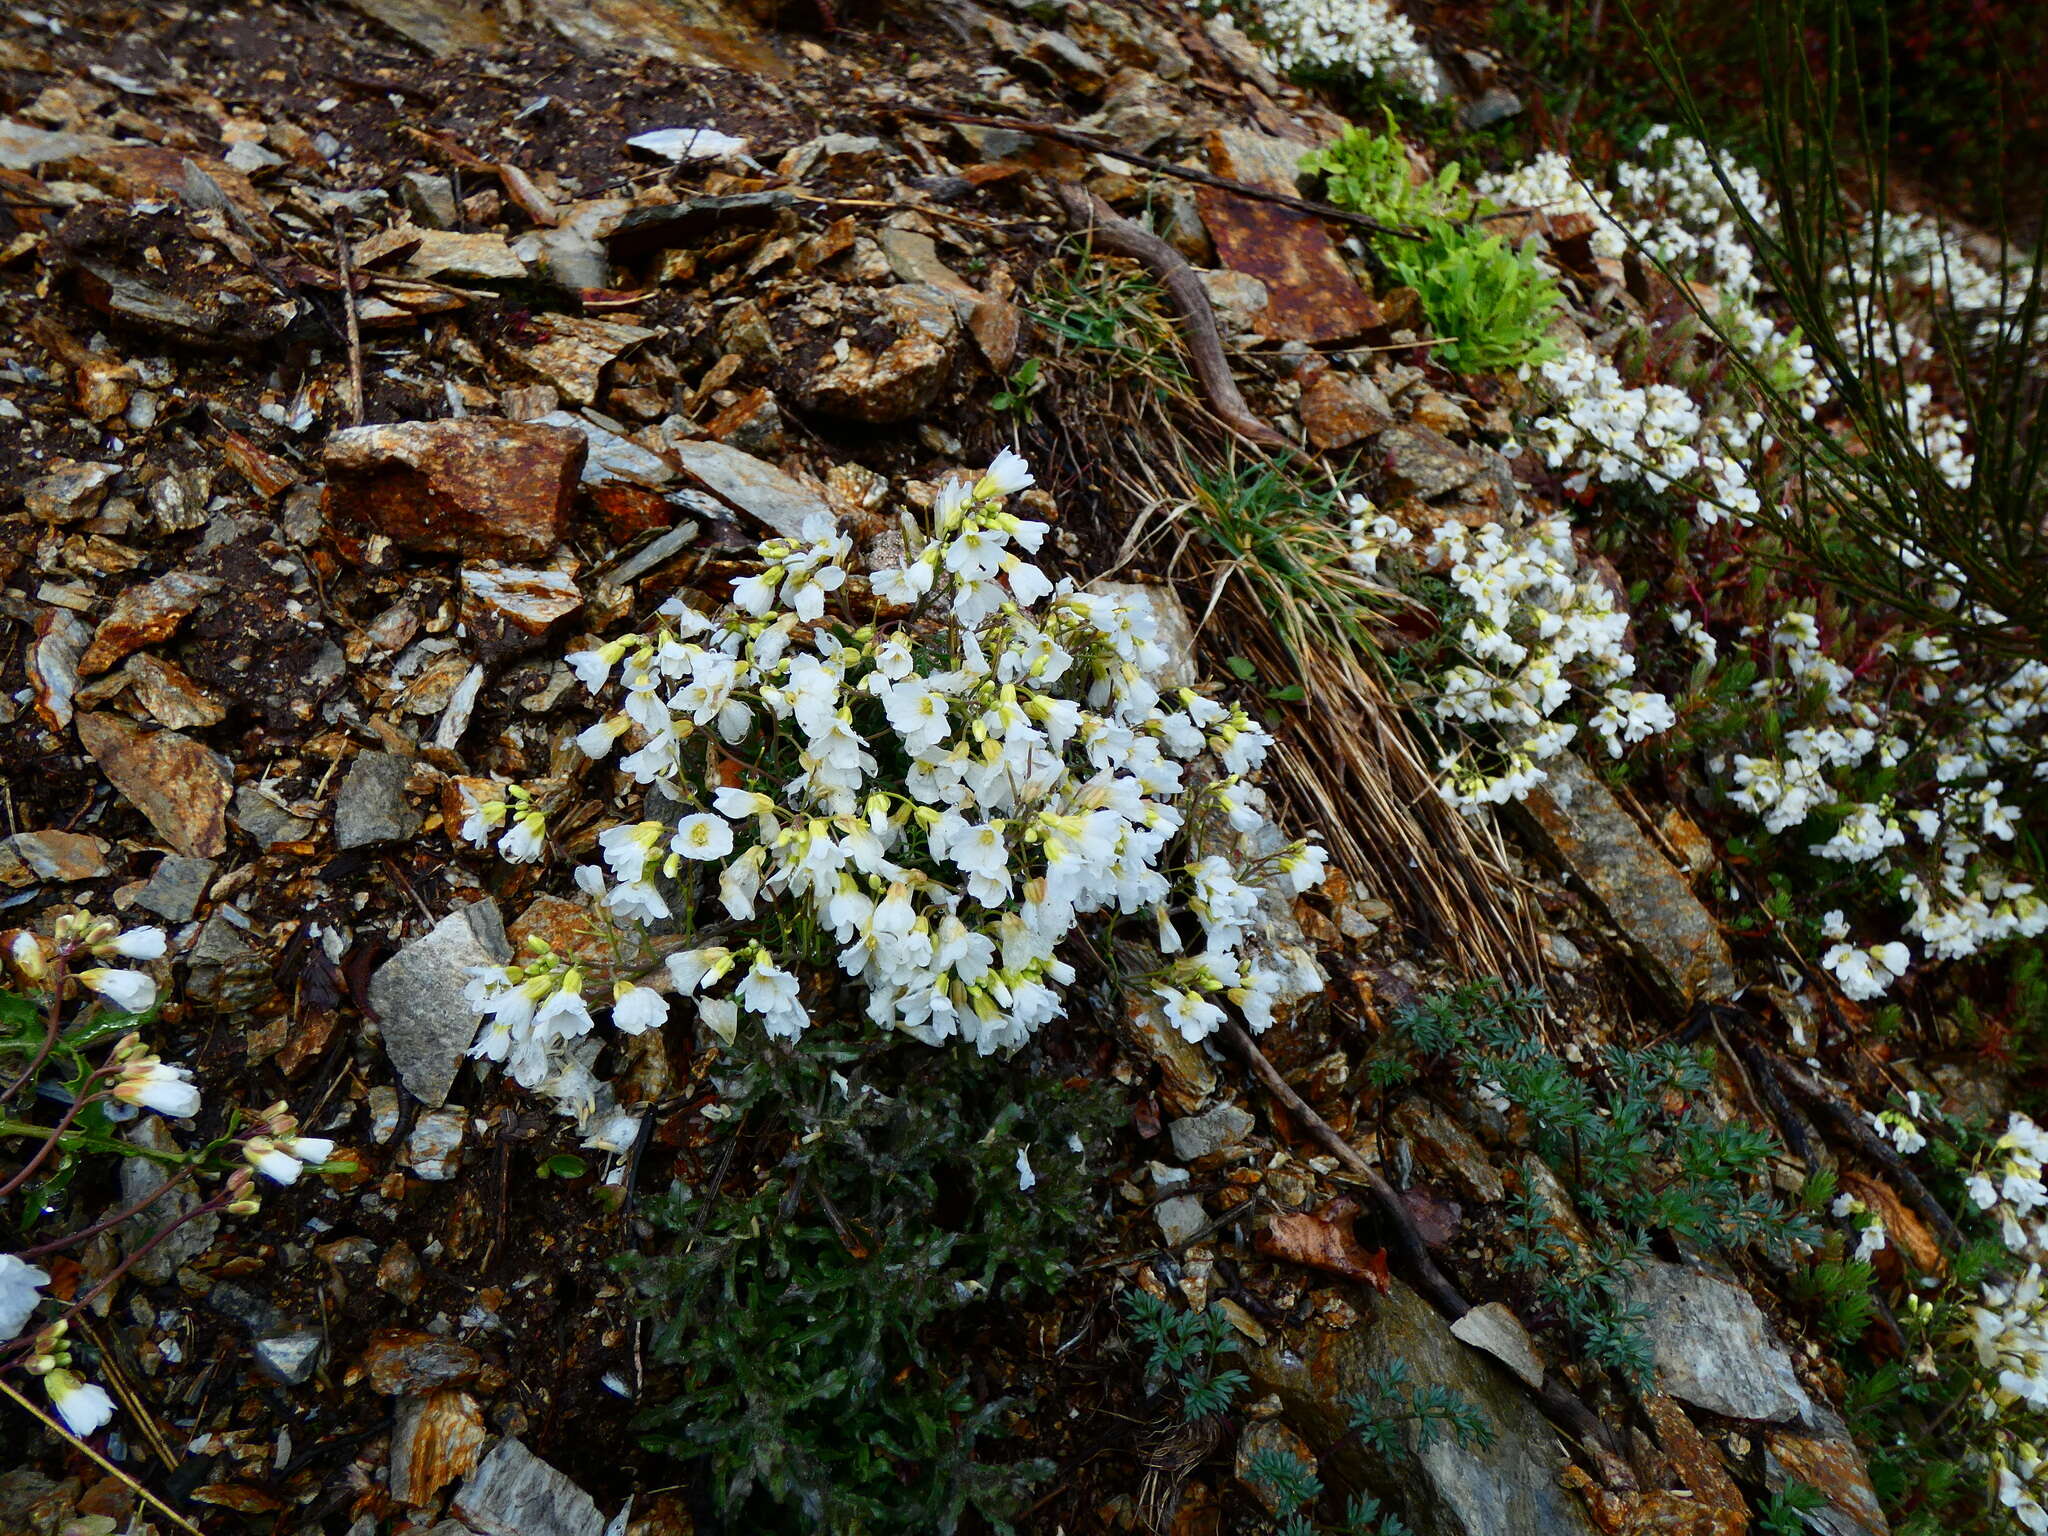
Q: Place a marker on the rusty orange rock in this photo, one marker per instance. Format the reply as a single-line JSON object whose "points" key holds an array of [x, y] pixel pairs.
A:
{"points": [[181, 785], [142, 616], [475, 486]]}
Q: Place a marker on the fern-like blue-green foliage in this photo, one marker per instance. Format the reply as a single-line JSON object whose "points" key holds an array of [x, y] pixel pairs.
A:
{"points": [[1183, 1347], [1634, 1143]]}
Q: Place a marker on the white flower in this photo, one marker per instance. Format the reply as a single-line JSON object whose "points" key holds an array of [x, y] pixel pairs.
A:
{"points": [[681, 144], [721, 1015], [702, 836], [130, 991], [1193, 1015], [83, 1408], [1025, 1177], [1007, 475], [692, 968], [20, 1283], [1305, 867], [637, 1009], [1867, 972], [284, 1158], [151, 1084], [139, 944], [771, 992], [526, 839]]}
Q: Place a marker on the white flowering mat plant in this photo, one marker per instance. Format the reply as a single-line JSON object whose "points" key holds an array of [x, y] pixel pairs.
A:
{"points": [[73, 1068], [925, 785]]}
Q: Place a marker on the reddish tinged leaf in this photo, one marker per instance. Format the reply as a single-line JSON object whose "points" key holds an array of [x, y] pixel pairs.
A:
{"points": [[1145, 1114], [1323, 1239], [1436, 1220]]}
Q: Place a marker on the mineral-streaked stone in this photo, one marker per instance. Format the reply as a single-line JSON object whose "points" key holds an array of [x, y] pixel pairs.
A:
{"points": [[754, 486], [1713, 1348], [473, 486], [1419, 462], [515, 1493], [894, 379], [434, 1440], [1212, 1131], [509, 607], [142, 617], [1644, 895], [370, 807], [1506, 1488], [180, 785], [55, 855], [61, 638], [175, 887]]}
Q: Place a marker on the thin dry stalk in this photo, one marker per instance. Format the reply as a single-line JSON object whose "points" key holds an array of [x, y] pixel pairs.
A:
{"points": [[101, 1462], [1353, 767]]}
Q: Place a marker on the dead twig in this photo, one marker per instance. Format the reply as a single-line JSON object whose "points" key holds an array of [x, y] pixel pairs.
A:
{"points": [[1559, 1403], [1096, 144], [355, 329], [1873, 1146], [1121, 237], [105, 1465]]}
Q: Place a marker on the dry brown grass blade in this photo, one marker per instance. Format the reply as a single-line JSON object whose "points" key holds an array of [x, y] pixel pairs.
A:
{"points": [[1349, 765], [105, 1465]]}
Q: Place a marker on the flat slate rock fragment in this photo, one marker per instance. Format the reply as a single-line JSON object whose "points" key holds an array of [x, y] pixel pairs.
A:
{"points": [[417, 995], [514, 1493], [1713, 1347], [1507, 1487], [1311, 294], [179, 784], [175, 887], [474, 486], [371, 806], [1642, 892]]}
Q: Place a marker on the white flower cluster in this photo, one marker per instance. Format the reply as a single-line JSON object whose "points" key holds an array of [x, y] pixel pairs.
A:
{"points": [[1913, 251], [1962, 900], [1672, 203], [1368, 37], [1940, 436], [1685, 217], [1541, 629], [939, 801], [1655, 437], [2008, 1324], [1371, 535], [1548, 184]]}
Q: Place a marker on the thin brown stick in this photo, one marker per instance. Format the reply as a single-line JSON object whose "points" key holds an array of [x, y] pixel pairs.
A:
{"points": [[1121, 237], [1559, 1403], [79, 1445], [105, 1223], [355, 330], [1096, 144], [1871, 1145]]}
